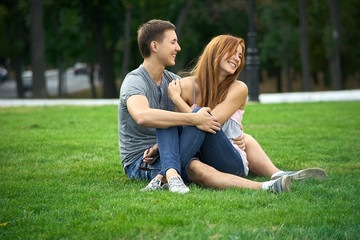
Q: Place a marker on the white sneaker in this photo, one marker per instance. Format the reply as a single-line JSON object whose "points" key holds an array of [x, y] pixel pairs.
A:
{"points": [[154, 185], [176, 184], [303, 174]]}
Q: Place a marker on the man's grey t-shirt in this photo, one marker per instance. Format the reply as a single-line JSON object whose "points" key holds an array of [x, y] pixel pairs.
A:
{"points": [[133, 138]]}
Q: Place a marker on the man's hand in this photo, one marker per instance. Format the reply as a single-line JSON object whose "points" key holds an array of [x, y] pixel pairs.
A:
{"points": [[240, 141], [206, 121], [151, 154]]}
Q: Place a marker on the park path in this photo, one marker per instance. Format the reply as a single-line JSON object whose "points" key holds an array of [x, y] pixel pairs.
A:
{"points": [[345, 95]]}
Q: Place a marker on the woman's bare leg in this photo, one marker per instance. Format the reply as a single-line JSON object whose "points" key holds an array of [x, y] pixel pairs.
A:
{"points": [[259, 163], [207, 176]]}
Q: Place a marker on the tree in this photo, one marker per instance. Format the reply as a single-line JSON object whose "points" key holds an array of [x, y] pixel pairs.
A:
{"points": [[350, 47], [104, 32], [38, 49], [278, 40], [127, 41], [335, 61], [104, 22], [14, 43], [55, 9], [304, 47]]}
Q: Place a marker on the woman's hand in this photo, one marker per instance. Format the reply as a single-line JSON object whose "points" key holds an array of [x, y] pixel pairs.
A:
{"points": [[174, 89], [240, 141], [175, 93]]}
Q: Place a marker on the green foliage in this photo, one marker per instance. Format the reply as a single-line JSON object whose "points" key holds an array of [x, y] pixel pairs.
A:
{"points": [[78, 30], [349, 11], [63, 39], [61, 178], [14, 29], [278, 44]]}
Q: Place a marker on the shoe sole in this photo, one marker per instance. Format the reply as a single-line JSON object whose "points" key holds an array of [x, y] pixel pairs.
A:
{"points": [[180, 192], [286, 184], [307, 173]]}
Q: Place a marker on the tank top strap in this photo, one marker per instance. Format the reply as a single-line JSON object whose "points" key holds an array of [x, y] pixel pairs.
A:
{"points": [[194, 90]]}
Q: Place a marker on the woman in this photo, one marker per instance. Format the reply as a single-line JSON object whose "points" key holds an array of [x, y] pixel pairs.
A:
{"points": [[216, 72]]}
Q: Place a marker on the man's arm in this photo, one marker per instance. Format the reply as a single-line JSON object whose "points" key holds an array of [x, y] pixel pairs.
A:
{"points": [[145, 116]]}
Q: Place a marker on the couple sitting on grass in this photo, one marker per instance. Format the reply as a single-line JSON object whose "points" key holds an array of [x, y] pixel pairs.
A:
{"points": [[202, 140]]}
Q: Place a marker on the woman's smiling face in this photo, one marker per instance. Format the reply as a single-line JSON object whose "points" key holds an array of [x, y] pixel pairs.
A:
{"points": [[229, 64]]}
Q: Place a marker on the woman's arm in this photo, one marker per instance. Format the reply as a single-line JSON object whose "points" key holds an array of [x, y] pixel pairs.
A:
{"points": [[181, 92], [234, 100]]}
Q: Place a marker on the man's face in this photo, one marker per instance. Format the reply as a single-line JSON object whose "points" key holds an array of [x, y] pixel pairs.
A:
{"points": [[168, 48]]}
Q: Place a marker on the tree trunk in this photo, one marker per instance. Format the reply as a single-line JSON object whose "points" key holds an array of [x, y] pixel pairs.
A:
{"points": [[287, 76], [17, 63], [286, 68], [62, 78], [37, 50], [17, 56], [92, 80], [179, 27], [278, 79], [106, 57], [59, 58], [182, 17], [334, 61], [304, 47], [125, 62]]}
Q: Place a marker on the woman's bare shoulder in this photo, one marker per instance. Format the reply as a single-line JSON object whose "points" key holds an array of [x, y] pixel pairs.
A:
{"points": [[187, 82], [187, 88], [238, 93], [239, 86]]}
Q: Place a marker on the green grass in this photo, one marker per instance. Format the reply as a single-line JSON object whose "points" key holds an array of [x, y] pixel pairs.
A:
{"points": [[60, 178]]}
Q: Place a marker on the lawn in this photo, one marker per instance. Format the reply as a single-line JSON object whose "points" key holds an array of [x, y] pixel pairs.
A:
{"points": [[61, 178]]}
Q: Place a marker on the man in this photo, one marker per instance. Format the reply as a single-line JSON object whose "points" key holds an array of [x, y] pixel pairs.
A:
{"points": [[145, 105], [144, 93]]}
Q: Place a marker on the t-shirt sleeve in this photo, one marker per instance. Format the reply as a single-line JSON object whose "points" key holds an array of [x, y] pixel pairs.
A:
{"points": [[132, 86]]}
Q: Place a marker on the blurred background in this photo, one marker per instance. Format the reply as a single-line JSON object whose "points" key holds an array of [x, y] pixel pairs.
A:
{"points": [[84, 48]]}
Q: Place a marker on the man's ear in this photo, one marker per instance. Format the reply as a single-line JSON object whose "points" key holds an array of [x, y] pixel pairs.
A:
{"points": [[154, 46]]}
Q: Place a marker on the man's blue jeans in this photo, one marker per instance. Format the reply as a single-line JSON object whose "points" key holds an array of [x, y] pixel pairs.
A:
{"points": [[133, 171], [177, 147]]}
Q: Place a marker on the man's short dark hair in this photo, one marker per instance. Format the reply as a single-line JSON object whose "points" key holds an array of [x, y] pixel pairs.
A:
{"points": [[152, 30]]}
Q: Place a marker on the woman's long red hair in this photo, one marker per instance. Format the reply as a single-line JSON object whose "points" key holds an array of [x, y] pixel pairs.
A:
{"points": [[206, 71]]}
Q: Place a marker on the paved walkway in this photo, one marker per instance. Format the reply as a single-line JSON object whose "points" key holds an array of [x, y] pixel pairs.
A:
{"points": [[345, 95]]}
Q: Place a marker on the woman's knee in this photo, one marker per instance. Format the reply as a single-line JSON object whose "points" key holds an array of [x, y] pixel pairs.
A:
{"points": [[200, 173]]}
